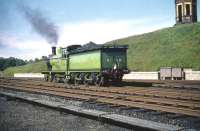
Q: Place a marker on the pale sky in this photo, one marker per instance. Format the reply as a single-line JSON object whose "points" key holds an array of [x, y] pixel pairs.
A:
{"points": [[79, 21]]}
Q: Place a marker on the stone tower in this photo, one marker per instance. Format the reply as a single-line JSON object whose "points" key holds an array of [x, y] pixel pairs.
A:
{"points": [[186, 11]]}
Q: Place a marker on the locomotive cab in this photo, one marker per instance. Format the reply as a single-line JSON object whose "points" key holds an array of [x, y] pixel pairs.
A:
{"points": [[114, 63]]}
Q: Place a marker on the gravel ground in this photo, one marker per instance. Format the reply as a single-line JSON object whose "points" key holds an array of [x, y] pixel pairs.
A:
{"points": [[187, 122], [169, 118], [20, 116]]}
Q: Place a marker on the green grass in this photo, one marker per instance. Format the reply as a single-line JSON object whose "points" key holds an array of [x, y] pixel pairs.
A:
{"points": [[177, 46], [29, 68]]}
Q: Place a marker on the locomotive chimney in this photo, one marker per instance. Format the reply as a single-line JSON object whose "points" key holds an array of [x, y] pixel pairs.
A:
{"points": [[53, 50]]}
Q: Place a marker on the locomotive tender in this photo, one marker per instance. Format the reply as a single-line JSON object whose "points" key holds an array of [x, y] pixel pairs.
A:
{"points": [[88, 64]]}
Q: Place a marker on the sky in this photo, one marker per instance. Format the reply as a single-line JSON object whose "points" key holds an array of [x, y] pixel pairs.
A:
{"points": [[78, 22]]}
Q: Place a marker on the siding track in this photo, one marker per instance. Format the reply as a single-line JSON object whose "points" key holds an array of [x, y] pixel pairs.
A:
{"points": [[172, 100]]}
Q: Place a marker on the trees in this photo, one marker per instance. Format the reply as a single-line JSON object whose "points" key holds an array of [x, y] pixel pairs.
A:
{"points": [[9, 62]]}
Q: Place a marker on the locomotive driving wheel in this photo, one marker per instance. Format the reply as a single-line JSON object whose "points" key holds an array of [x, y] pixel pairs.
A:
{"points": [[77, 79], [86, 79], [100, 81], [55, 79], [67, 79]]}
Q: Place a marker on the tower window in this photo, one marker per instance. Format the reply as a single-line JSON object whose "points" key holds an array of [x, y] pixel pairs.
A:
{"points": [[180, 13], [187, 9]]}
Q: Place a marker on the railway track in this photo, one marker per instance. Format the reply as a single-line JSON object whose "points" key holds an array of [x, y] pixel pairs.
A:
{"points": [[179, 101]]}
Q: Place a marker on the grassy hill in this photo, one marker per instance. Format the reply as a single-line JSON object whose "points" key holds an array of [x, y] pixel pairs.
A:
{"points": [[29, 68], [177, 46]]}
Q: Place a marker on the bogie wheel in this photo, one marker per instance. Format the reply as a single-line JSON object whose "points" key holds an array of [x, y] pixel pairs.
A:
{"points": [[82, 78], [100, 81], [76, 81], [67, 80], [97, 80], [85, 81], [55, 79], [94, 78], [72, 78]]}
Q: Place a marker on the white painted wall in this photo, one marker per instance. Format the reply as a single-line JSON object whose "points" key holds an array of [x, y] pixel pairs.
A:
{"points": [[189, 75], [192, 75], [30, 75], [142, 76]]}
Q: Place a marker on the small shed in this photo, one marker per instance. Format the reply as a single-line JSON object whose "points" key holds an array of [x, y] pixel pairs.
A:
{"points": [[165, 73], [178, 74], [169, 73]]}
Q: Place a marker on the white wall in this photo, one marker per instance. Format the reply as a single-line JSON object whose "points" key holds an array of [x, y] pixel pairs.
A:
{"points": [[192, 75], [30, 75], [189, 75], [142, 76]]}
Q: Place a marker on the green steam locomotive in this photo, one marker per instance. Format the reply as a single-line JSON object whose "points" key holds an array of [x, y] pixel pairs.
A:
{"points": [[88, 64]]}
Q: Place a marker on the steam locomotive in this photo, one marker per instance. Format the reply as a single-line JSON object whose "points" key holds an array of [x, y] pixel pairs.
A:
{"points": [[88, 64]]}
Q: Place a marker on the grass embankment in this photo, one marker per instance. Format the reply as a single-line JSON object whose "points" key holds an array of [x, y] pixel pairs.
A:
{"points": [[36, 67], [177, 46]]}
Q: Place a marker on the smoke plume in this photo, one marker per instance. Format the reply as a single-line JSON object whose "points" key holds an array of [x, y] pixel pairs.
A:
{"points": [[40, 24]]}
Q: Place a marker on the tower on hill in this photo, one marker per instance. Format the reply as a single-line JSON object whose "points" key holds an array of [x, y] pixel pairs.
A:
{"points": [[186, 11]]}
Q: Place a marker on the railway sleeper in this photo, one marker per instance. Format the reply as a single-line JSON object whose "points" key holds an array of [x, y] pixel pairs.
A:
{"points": [[158, 102], [119, 102], [158, 96], [164, 102], [96, 90]]}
